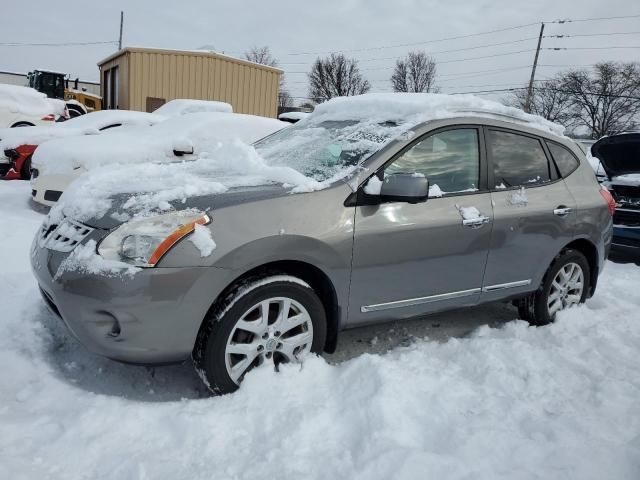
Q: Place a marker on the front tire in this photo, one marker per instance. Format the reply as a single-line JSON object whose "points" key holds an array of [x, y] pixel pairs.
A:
{"points": [[271, 320], [25, 170], [565, 284]]}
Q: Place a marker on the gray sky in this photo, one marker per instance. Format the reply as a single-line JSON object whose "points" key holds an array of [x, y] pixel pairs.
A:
{"points": [[291, 27]]}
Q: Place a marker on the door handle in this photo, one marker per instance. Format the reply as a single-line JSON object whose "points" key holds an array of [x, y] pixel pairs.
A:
{"points": [[475, 222], [562, 211]]}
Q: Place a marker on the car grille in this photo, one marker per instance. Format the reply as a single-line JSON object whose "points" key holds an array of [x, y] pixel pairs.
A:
{"points": [[62, 237]]}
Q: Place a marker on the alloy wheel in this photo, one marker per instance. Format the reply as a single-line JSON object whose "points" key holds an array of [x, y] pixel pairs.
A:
{"points": [[566, 288], [277, 330]]}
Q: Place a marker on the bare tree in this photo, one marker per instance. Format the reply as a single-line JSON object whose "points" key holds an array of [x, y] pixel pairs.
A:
{"points": [[549, 100], [414, 73], [336, 76], [606, 101], [263, 56]]}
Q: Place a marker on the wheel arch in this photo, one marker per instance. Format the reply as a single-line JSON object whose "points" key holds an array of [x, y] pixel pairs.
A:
{"points": [[309, 273], [590, 251]]}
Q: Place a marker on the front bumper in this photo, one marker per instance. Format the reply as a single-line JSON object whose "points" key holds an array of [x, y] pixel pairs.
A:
{"points": [[150, 317]]}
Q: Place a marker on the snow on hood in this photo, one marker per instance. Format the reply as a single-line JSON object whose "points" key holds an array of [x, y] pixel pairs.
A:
{"points": [[419, 107], [150, 187], [27, 101], [200, 131], [185, 106]]}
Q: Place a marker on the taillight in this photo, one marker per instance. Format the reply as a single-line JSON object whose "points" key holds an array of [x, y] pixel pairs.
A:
{"points": [[608, 198], [48, 118]]}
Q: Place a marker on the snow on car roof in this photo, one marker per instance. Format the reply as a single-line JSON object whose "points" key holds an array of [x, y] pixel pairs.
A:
{"points": [[25, 100], [182, 106], [414, 108], [89, 124], [202, 130]]}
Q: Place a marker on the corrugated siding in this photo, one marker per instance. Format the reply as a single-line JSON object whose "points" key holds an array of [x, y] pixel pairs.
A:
{"points": [[175, 75]]}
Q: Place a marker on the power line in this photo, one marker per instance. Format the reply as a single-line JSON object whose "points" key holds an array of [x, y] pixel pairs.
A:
{"points": [[436, 40], [432, 53], [64, 44], [594, 19], [591, 35], [589, 48]]}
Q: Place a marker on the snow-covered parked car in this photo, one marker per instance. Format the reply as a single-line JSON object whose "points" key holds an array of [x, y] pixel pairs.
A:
{"points": [[183, 137], [375, 208], [18, 144], [183, 106], [619, 157], [26, 107]]}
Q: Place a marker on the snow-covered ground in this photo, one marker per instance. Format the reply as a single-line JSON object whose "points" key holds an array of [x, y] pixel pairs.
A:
{"points": [[504, 401]]}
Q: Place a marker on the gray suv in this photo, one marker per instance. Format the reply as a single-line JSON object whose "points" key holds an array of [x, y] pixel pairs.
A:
{"points": [[456, 212]]}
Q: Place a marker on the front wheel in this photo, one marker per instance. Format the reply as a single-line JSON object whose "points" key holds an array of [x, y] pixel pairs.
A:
{"points": [[274, 320], [565, 284]]}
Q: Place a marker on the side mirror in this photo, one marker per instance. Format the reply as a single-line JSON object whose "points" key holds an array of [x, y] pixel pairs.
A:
{"points": [[182, 146], [405, 187]]}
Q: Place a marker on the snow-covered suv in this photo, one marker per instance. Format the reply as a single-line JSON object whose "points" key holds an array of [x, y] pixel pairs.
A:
{"points": [[373, 208]]}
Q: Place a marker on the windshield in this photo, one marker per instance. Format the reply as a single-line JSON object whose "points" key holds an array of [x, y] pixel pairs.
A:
{"points": [[326, 149]]}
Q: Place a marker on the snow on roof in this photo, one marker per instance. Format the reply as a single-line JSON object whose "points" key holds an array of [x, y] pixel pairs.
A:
{"points": [[419, 107], [182, 106], [89, 124], [25, 100], [293, 115]]}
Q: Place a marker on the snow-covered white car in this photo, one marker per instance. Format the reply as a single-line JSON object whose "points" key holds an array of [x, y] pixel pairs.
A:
{"points": [[25, 107], [18, 144], [185, 137]]}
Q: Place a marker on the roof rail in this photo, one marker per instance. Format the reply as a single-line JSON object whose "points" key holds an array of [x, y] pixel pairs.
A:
{"points": [[493, 113]]}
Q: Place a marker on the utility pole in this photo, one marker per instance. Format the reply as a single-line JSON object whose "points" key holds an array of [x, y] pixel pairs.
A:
{"points": [[122, 23], [527, 106]]}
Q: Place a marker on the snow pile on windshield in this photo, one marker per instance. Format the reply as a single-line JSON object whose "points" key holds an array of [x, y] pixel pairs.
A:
{"points": [[201, 132], [27, 101], [184, 106]]}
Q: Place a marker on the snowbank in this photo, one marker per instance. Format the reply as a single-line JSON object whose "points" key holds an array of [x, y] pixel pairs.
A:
{"points": [[515, 402], [27, 101], [202, 131], [185, 106]]}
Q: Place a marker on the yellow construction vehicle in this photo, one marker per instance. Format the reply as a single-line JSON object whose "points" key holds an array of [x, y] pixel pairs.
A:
{"points": [[56, 85]]}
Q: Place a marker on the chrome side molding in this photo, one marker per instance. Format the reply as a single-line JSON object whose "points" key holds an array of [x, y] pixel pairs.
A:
{"points": [[504, 286], [418, 301]]}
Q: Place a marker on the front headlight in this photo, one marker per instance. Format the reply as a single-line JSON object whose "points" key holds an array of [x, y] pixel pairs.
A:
{"points": [[143, 242]]}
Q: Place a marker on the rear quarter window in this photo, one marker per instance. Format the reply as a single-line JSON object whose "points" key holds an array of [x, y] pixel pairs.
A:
{"points": [[565, 160]]}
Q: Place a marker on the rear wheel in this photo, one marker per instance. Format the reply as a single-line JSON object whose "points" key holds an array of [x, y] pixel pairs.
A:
{"points": [[22, 124], [565, 284], [274, 320]]}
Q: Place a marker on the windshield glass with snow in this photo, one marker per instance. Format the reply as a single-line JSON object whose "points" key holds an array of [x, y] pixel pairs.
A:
{"points": [[323, 150]]}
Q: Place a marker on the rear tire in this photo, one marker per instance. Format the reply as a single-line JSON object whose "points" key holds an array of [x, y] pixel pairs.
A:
{"points": [[565, 284], [22, 124], [25, 170], [273, 319]]}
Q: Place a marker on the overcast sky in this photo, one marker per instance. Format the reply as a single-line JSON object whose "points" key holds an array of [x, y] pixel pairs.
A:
{"points": [[293, 27]]}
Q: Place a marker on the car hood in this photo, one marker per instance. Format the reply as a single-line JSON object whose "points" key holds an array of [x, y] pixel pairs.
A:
{"points": [[118, 214], [618, 154]]}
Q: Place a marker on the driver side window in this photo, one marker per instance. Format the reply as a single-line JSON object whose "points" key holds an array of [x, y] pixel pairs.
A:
{"points": [[450, 160]]}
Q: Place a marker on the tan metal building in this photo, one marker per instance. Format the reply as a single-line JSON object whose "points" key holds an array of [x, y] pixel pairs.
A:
{"points": [[145, 78]]}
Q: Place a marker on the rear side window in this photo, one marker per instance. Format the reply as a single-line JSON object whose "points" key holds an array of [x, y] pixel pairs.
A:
{"points": [[517, 160], [565, 160]]}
